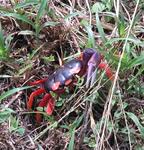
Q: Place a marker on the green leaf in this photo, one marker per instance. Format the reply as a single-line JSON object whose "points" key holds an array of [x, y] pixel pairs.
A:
{"points": [[19, 17], [5, 10], [26, 4], [41, 9], [50, 23], [20, 131], [137, 123], [139, 60], [98, 7], [100, 29], [3, 51], [1, 38], [130, 39], [5, 114], [72, 15], [77, 122], [14, 126], [71, 143], [14, 123], [49, 58], [91, 39], [12, 91], [121, 27], [24, 69], [60, 102]]}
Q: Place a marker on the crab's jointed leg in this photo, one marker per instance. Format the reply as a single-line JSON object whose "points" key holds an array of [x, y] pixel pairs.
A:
{"points": [[48, 102], [37, 82], [34, 94], [107, 69]]}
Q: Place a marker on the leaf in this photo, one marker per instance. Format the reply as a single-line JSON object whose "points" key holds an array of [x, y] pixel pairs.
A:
{"points": [[12, 91], [41, 9], [1, 38], [77, 122], [91, 39], [5, 114], [20, 131], [121, 27], [49, 58], [3, 50], [26, 3], [137, 123], [71, 143], [5, 10], [139, 60], [71, 15], [50, 23], [98, 7], [13, 123], [26, 32], [14, 126], [130, 39], [24, 69], [100, 29], [19, 17]]}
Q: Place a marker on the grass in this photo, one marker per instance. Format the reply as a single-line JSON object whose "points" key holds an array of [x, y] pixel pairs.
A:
{"points": [[35, 36]]}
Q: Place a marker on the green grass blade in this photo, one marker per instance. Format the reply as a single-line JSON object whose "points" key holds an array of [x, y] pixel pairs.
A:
{"points": [[91, 39], [50, 23], [1, 38], [71, 15], [26, 4], [19, 17], [98, 7], [73, 127], [41, 9], [26, 32], [12, 91], [137, 122], [71, 143], [6, 10], [139, 60], [130, 39], [100, 28], [3, 50]]}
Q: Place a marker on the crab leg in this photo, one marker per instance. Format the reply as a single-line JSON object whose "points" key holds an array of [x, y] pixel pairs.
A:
{"points": [[33, 94], [37, 82], [48, 101], [107, 69]]}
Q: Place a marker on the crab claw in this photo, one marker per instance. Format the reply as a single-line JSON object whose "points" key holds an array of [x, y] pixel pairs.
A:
{"points": [[92, 66]]}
